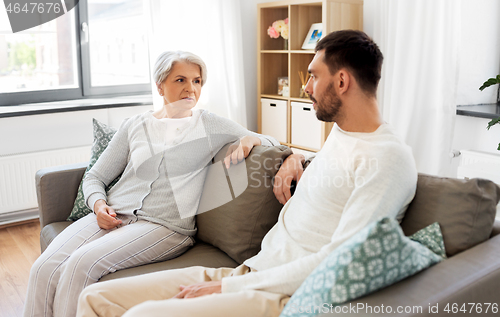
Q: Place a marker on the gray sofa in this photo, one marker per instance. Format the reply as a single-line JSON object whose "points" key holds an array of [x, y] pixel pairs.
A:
{"points": [[232, 232]]}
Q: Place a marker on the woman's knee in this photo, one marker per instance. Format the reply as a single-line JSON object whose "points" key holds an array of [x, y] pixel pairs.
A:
{"points": [[82, 264], [44, 267]]}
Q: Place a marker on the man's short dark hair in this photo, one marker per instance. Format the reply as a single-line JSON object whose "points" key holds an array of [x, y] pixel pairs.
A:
{"points": [[355, 51]]}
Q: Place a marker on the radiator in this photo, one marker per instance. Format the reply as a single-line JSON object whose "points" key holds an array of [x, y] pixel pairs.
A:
{"points": [[479, 164], [17, 176]]}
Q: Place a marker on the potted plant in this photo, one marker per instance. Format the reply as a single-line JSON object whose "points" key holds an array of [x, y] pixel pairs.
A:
{"points": [[491, 82]]}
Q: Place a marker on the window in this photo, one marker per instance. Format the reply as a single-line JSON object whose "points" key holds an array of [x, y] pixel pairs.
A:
{"points": [[99, 48]]}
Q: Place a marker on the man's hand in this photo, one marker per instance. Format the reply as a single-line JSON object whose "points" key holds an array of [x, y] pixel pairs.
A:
{"points": [[200, 289], [240, 149], [290, 170], [106, 216]]}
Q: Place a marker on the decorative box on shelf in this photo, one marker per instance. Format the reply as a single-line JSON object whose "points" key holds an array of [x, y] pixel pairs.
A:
{"points": [[274, 118], [306, 128]]}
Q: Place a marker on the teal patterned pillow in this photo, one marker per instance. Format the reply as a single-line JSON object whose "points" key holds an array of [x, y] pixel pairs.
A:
{"points": [[102, 135], [431, 238], [376, 257]]}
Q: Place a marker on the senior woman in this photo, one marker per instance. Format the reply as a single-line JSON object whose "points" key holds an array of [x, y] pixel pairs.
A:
{"points": [[148, 216]]}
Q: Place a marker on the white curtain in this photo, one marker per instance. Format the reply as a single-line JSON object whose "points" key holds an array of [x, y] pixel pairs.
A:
{"points": [[210, 29], [420, 42]]}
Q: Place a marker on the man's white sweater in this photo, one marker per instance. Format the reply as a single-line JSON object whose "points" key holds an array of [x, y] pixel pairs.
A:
{"points": [[355, 179]]}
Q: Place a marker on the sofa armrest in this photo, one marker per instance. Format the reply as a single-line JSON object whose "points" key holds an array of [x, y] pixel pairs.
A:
{"points": [[471, 276], [56, 189]]}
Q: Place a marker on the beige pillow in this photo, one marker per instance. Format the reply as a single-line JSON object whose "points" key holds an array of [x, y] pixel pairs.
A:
{"points": [[238, 226], [465, 210]]}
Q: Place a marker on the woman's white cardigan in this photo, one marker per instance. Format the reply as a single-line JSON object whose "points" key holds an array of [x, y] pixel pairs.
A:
{"points": [[161, 182]]}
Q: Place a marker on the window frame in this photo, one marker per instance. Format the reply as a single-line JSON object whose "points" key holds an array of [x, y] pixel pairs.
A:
{"points": [[84, 89], [88, 90]]}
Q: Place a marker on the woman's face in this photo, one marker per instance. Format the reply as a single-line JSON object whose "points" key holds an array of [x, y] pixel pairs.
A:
{"points": [[182, 87]]}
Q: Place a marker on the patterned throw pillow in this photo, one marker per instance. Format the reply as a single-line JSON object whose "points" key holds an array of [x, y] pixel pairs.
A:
{"points": [[376, 257], [432, 238], [102, 135]]}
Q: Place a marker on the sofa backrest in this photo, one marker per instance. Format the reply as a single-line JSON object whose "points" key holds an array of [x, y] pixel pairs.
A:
{"points": [[464, 209], [496, 228], [238, 226]]}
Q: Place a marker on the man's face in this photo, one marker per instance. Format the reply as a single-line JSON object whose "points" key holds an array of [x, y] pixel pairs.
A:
{"points": [[320, 88]]}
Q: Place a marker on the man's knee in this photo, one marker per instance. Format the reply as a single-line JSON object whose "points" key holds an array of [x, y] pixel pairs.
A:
{"points": [[94, 301], [89, 295], [149, 308], [90, 291], [192, 307]]}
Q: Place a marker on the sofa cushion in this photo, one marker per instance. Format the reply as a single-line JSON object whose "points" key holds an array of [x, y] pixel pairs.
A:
{"points": [[465, 210], [102, 136], [377, 256], [201, 254], [238, 226]]}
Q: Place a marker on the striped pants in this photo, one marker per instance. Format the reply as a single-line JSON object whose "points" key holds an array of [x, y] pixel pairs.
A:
{"points": [[83, 253]]}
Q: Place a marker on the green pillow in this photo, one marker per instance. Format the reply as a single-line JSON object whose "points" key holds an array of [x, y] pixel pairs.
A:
{"points": [[376, 257], [432, 238], [102, 136]]}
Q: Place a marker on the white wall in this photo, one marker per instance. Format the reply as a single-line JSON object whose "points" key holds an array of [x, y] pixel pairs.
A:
{"points": [[480, 51], [480, 60], [471, 134], [45, 132]]}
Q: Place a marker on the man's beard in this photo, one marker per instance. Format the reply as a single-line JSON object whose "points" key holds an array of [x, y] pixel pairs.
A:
{"points": [[328, 108]]}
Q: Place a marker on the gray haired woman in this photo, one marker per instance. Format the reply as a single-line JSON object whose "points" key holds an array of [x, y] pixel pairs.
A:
{"points": [[148, 216]]}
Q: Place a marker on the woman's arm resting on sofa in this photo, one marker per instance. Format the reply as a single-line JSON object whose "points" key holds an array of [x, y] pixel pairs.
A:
{"points": [[240, 149]]}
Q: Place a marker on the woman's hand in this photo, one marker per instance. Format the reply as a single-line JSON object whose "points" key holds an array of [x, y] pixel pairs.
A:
{"points": [[200, 289], [240, 149], [290, 170], [106, 216]]}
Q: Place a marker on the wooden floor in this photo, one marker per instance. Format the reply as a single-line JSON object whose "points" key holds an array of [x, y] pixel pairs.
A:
{"points": [[19, 248]]}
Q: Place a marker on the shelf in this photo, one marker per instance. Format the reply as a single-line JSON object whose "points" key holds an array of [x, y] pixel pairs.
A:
{"points": [[299, 62], [488, 110], [303, 52], [267, 17], [274, 66], [301, 147], [301, 19], [274, 97], [307, 100], [274, 52]]}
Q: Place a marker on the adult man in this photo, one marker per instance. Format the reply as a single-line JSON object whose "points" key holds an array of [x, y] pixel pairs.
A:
{"points": [[362, 173]]}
